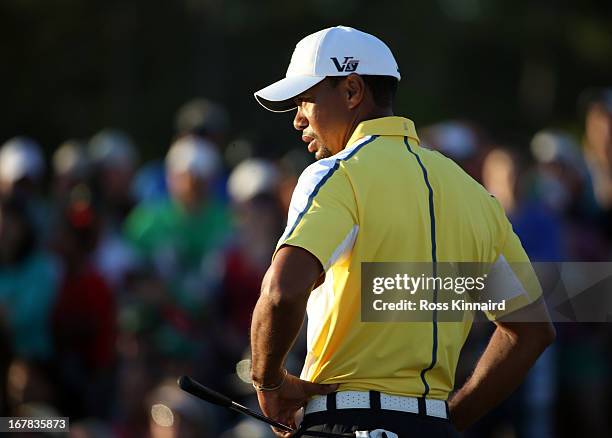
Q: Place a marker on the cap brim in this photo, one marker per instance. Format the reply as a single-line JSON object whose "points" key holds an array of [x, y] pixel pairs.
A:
{"points": [[279, 97]]}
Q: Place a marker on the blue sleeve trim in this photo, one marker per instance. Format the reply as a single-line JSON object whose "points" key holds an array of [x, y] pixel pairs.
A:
{"points": [[318, 186]]}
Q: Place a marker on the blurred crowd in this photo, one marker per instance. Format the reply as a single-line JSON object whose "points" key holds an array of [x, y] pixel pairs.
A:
{"points": [[118, 276]]}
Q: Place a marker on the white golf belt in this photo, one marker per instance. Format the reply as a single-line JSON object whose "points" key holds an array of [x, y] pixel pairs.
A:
{"points": [[361, 400]]}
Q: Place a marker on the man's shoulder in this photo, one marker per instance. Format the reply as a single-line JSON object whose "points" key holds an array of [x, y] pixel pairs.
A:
{"points": [[319, 172]]}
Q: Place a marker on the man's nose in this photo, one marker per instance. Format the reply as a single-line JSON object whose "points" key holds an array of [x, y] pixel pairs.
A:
{"points": [[300, 122]]}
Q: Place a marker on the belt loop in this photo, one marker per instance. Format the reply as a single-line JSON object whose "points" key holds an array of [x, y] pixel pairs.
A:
{"points": [[331, 401], [375, 400], [422, 407]]}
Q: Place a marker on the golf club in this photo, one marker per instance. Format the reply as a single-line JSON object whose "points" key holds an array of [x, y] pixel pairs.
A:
{"points": [[194, 388]]}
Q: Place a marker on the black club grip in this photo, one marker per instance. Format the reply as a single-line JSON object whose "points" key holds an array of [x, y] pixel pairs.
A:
{"points": [[194, 388]]}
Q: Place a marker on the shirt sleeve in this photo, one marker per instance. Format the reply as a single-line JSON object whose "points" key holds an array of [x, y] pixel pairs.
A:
{"points": [[322, 215], [512, 278]]}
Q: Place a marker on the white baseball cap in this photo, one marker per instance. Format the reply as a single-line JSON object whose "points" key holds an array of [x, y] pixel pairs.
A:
{"points": [[21, 157], [336, 51], [252, 177], [193, 155], [112, 147]]}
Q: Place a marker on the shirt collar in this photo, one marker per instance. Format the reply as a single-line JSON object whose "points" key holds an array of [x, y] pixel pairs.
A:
{"points": [[399, 126]]}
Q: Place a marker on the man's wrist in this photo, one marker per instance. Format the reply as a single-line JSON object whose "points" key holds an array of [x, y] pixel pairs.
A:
{"points": [[273, 386], [269, 378]]}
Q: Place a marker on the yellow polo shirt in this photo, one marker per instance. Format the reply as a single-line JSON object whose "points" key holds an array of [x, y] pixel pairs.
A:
{"points": [[386, 199]]}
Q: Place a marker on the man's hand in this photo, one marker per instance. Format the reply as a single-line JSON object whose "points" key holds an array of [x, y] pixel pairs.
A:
{"points": [[282, 405]]}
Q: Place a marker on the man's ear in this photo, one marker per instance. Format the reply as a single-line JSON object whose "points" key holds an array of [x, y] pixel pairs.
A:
{"points": [[354, 88]]}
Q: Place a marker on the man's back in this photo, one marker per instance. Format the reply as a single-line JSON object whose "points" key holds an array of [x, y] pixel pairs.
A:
{"points": [[376, 196], [386, 199]]}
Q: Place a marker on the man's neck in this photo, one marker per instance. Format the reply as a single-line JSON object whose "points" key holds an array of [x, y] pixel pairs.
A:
{"points": [[374, 113], [379, 112]]}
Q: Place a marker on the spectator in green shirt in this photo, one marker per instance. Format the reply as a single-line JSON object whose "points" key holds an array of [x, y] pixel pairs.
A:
{"points": [[182, 236]]}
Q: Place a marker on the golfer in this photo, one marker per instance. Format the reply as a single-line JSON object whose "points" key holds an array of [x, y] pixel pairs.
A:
{"points": [[375, 195]]}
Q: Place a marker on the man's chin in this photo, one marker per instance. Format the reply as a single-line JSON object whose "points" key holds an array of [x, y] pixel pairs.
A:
{"points": [[323, 152]]}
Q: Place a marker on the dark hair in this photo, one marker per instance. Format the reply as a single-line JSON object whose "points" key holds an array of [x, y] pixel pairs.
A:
{"points": [[383, 88]]}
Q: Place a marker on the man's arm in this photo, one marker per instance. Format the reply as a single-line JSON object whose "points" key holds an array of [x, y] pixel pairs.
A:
{"points": [[280, 311], [277, 319], [511, 352]]}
